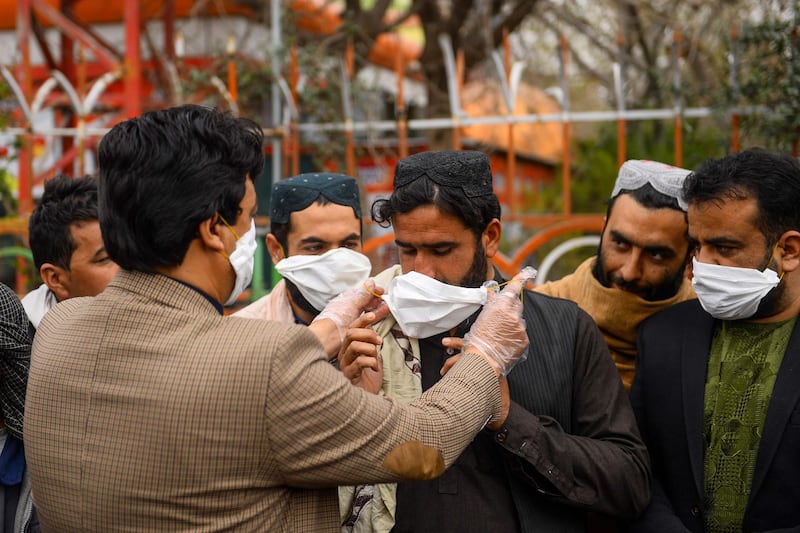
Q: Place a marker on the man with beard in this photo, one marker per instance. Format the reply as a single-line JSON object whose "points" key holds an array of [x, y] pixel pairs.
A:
{"points": [[570, 444], [315, 243], [717, 391], [640, 263]]}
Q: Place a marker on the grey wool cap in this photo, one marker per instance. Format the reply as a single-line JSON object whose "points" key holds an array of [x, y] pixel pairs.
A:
{"points": [[664, 178]]}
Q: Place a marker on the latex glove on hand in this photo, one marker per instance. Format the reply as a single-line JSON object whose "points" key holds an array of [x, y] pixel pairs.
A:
{"points": [[348, 306], [499, 333]]}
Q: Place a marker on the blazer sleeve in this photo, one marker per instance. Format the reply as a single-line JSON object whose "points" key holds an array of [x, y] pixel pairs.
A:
{"points": [[325, 432], [602, 463]]}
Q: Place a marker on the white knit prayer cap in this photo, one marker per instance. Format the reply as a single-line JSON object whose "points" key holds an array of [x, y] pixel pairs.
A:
{"points": [[666, 179]]}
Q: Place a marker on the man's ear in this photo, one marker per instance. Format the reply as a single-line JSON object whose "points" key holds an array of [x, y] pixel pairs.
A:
{"points": [[57, 280], [789, 251], [209, 234], [491, 238], [274, 247]]}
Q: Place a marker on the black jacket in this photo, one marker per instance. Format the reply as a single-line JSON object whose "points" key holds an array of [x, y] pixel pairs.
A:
{"points": [[667, 396]]}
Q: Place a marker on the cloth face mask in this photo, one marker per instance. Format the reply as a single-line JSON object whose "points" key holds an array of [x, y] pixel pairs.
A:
{"points": [[424, 307], [243, 261], [731, 293], [320, 278]]}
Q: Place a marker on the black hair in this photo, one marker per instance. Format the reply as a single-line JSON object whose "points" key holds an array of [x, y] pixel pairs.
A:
{"points": [[65, 201], [476, 212], [773, 179], [165, 172]]}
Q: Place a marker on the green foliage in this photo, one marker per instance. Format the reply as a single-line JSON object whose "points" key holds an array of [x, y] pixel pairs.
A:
{"points": [[769, 79], [7, 104], [319, 93], [8, 203], [595, 166]]}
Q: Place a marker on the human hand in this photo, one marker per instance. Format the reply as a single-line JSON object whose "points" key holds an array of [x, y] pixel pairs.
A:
{"points": [[456, 343], [358, 357], [349, 305], [499, 333], [453, 344]]}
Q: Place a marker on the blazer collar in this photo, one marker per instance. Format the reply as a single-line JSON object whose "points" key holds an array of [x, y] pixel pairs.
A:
{"points": [[694, 367], [694, 364]]}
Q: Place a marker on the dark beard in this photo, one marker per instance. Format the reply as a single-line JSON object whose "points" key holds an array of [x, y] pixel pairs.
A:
{"points": [[476, 275], [771, 303], [666, 289], [299, 300]]}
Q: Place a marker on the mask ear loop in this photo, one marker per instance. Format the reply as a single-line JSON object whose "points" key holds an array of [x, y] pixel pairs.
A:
{"points": [[225, 254], [235, 233], [498, 285], [774, 251], [284, 252], [366, 288]]}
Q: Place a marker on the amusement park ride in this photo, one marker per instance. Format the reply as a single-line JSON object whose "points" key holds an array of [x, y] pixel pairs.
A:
{"points": [[91, 83]]}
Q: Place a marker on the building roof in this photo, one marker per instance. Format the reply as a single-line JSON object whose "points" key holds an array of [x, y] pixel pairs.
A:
{"points": [[542, 141]]}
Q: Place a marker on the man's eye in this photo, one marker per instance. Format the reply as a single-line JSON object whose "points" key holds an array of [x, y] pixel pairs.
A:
{"points": [[442, 252]]}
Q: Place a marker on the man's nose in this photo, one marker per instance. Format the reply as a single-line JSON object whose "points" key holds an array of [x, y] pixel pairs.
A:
{"points": [[424, 265], [704, 255], [632, 267]]}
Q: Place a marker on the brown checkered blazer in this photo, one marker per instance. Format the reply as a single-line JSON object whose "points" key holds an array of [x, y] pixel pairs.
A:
{"points": [[148, 411]]}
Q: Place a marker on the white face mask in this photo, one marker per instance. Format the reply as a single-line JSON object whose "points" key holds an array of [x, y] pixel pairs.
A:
{"points": [[424, 307], [243, 261], [320, 278], [731, 293]]}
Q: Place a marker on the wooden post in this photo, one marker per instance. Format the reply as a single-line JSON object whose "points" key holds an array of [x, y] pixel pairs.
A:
{"points": [[402, 122], [294, 78], [676, 86], [350, 149], [511, 155], [233, 84], [566, 133], [619, 83], [24, 72], [459, 87], [735, 117], [133, 63]]}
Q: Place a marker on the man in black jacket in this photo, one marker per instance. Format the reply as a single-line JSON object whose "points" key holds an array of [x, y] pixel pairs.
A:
{"points": [[717, 387], [570, 443]]}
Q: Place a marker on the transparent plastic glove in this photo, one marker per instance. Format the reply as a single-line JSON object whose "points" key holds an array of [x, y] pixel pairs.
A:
{"points": [[499, 332], [349, 305]]}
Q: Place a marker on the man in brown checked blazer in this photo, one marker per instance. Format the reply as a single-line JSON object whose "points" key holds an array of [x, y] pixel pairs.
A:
{"points": [[148, 410]]}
